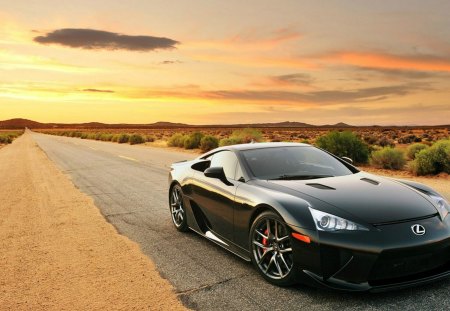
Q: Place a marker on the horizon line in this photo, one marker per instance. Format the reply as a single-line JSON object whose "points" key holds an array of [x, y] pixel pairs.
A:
{"points": [[343, 124]]}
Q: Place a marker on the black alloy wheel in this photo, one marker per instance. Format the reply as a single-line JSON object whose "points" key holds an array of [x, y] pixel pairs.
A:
{"points": [[271, 249], [177, 210]]}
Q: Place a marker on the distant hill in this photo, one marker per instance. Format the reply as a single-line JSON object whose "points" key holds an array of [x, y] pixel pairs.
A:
{"points": [[22, 123], [19, 124], [338, 125]]}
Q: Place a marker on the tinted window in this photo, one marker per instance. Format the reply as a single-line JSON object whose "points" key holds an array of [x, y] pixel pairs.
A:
{"points": [[272, 163], [227, 160]]}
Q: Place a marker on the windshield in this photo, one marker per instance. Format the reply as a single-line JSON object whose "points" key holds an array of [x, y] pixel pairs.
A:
{"points": [[302, 162]]}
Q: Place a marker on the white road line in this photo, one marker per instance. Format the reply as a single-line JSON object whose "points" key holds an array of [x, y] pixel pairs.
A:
{"points": [[93, 148], [128, 158]]}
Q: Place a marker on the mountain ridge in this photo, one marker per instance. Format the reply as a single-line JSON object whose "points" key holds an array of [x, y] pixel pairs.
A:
{"points": [[20, 123]]}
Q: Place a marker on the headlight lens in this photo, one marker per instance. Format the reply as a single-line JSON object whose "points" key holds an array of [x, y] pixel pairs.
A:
{"points": [[441, 204], [329, 222]]}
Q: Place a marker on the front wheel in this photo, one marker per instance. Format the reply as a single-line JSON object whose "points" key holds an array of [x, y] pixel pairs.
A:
{"points": [[177, 210], [271, 249]]}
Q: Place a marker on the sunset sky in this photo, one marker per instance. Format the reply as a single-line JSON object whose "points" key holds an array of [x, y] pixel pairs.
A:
{"points": [[223, 62]]}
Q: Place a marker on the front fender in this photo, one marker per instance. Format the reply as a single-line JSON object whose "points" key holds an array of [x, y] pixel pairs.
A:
{"points": [[417, 186]]}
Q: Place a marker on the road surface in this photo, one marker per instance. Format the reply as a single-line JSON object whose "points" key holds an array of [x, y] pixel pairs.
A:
{"points": [[129, 186]]}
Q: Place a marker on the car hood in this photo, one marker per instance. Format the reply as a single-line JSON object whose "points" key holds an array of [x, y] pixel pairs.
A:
{"points": [[371, 198]]}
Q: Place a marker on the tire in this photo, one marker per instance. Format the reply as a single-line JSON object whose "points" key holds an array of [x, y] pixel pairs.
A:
{"points": [[177, 209], [271, 249]]}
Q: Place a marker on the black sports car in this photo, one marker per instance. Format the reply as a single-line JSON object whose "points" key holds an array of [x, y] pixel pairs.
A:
{"points": [[301, 214]]}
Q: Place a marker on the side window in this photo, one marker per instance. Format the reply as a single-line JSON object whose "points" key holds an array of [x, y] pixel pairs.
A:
{"points": [[227, 160]]}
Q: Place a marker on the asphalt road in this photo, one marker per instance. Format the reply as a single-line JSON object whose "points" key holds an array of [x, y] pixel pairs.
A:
{"points": [[129, 186]]}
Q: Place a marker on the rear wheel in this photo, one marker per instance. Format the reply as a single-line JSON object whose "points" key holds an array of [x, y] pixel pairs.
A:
{"points": [[271, 249], [177, 209]]}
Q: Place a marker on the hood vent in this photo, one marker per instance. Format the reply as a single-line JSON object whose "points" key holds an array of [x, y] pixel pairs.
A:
{"points": [[371, 181], [320, 186]]}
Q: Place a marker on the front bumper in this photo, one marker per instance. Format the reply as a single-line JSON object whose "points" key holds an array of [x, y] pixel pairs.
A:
{"points": [[388, 257]]}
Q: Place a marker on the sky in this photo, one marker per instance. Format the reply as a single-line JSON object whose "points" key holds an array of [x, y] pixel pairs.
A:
{"points": [[226, 62]]}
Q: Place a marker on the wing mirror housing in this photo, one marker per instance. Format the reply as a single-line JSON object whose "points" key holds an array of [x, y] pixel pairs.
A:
{"points": [[218, 173], [347, 159]]}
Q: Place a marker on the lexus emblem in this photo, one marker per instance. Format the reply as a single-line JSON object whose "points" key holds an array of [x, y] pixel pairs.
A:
{"points": [[418, 229]]}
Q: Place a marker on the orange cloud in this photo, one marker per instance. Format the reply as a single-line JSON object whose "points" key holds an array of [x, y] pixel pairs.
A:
{"points": [[277, 37], [250, 40], [260, 61], [392, 61]]}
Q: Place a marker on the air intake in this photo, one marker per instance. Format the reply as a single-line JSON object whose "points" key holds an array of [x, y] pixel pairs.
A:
{"points": [[371, 181], [320, 186]]}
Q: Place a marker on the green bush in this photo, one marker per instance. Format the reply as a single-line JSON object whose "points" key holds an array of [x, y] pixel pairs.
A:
{"points": [[414, 149], [386, 142], [176, 140], [388, 158], [5, 139], [433, 160], [115, 138], [409, 139], [193, 140], [106, 137], [8, 137], [229, 141], [136, 139], [98, 136], [123, 138], [84, 135], [243, 136], [208, 143], [344, 144], [247, 135]]}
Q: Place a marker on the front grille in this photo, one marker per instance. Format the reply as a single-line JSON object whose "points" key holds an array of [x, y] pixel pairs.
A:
{"points": [[408, 264], [380, 224]]}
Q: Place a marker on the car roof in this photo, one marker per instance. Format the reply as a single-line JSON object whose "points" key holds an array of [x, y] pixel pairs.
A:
{"points": [[252, 146]]}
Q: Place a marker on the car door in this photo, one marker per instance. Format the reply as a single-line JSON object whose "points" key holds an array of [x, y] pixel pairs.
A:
{"points": [[215, 198]]}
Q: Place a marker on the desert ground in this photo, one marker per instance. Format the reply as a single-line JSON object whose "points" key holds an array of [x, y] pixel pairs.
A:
{"points": [[57, 252]]}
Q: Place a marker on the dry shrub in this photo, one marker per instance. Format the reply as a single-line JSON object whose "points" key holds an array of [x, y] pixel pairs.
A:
{"points": [[388, 158]]}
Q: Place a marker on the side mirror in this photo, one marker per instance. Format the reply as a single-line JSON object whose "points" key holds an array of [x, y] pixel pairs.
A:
{"points": [[217, 172], [347, 159]]}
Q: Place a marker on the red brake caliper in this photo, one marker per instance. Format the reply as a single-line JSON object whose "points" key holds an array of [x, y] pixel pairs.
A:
{"points": [[264, 240]]}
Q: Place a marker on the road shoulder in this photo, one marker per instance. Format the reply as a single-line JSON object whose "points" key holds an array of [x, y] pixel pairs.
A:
{"points": [[58, 252]]}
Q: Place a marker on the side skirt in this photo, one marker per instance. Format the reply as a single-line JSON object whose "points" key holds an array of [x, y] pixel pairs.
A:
{"points": [[231, 248]]}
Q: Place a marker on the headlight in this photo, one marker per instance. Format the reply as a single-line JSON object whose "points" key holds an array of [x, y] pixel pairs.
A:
{"points": [[441, 204], [329, 222]]}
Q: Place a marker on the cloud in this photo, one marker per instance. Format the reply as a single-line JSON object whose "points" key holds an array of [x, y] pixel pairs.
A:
{"points": [[97, 91], [321, 97], [294, 79], [271, 39], [170, 62], [249, 40], [402, 73], [92, 39], [419, 62]]}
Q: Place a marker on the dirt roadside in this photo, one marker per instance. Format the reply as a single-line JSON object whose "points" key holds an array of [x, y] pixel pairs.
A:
{"points": [[57, 252]]}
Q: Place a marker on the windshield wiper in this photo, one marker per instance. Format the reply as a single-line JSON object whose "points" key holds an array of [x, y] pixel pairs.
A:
{"points": [[299, 177]]}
